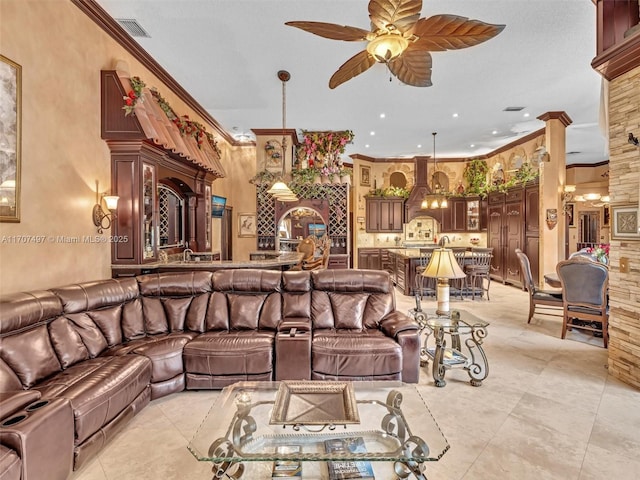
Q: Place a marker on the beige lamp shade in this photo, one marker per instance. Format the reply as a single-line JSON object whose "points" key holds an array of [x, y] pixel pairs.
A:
{"points": [[279, 188], [443, 264]]}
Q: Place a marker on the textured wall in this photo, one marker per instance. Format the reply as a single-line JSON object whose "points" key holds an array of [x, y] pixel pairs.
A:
{"points": [[61, 52], [624, 183]]}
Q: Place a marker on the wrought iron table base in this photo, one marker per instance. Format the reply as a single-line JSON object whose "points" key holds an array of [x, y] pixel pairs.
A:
{"points": [[393, 424]]}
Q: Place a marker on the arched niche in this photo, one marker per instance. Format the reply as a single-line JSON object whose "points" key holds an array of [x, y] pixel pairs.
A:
{"points": [[398, 179]]}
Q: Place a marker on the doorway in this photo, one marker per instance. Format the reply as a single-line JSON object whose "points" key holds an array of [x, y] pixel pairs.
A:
{"points": [[589, 227]]}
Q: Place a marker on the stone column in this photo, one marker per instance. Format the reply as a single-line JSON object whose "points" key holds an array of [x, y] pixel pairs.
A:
{"points": [[552, 181]]}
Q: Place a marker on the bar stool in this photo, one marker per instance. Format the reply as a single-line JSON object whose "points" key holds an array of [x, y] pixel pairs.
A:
{"points": [[424, 285], [460, 254], [478, 270]]}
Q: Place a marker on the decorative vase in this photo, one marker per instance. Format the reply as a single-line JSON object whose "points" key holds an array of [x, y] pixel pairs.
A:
{"points": [[335, 178], [346, 179], [325, 179]]}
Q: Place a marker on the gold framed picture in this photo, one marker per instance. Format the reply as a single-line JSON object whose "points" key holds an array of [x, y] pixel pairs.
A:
{"points": [[247, 226], [10, 99], [625, 222], [365, 176]]}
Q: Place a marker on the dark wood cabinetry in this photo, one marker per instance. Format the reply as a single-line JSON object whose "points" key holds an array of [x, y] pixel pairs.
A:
{"points": [[369, 259], [462, 214], [385, 215], [513, 223]]}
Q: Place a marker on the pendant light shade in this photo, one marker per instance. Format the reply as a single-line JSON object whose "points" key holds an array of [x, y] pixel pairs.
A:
{"points": [[280, 190]]}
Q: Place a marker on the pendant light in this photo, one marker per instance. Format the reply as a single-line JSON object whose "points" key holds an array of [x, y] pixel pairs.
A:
{"points": [[435, 199], [280, 190]]}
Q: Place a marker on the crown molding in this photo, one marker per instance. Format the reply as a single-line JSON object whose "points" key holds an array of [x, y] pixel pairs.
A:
{"points": [[107, 23]]}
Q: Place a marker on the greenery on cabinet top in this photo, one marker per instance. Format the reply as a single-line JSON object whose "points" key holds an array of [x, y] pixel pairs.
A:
{"points": [[480, 181]]}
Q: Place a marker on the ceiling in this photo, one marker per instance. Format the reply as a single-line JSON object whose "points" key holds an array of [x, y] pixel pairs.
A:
{"points": [[226, 54]]}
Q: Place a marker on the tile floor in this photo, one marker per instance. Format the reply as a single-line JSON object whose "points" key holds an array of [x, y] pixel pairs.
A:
{"points": [[548, 410]]}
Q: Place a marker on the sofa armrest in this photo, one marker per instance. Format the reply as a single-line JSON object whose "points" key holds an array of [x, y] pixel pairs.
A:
{"points": [[43, 438], [397, 322], [300, 324], [11, 402]]}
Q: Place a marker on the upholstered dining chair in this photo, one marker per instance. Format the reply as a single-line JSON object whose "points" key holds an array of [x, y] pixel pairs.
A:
{"points": [[479, 270], [584, 294], [545, 302]]}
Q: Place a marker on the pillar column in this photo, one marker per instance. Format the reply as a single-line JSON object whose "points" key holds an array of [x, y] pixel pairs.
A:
{"points": [[552, 180]]}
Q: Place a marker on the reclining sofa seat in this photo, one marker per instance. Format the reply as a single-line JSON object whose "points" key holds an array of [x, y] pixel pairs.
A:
{"points": [[357, 333], [242, 317], [78, 362]]}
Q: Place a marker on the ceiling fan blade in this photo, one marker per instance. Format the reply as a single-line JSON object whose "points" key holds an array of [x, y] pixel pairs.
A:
{"points": [[359, 63], [402, 13], [413, 67], [451, 32], [332, 31]]}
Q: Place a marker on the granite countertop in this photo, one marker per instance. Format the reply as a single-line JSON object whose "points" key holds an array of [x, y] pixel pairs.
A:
{"points": [[287, 258]]}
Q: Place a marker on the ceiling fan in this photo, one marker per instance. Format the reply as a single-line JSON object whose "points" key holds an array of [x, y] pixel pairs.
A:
{"points": [[401, 39]]}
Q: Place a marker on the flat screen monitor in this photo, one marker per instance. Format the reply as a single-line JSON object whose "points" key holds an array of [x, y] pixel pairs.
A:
{"points": [[317, 229], [217, 206]]}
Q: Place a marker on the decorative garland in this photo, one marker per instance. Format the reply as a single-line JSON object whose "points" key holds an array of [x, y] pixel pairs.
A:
{"points": [[134, 95], [187, 127]]}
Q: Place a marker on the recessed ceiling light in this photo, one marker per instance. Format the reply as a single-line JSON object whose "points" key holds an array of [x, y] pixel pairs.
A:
{"points": [[455, 115], [372, 133], [472, 145], [527, 115], [419, 146], [382, 115], [366, 146], [495, 132]]}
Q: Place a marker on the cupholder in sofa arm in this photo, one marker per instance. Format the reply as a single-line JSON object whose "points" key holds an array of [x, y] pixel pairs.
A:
{"points": [[41, 433], [406, 332]]}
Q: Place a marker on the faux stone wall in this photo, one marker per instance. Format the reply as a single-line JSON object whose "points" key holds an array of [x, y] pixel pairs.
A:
{"points": [[624, 184]]}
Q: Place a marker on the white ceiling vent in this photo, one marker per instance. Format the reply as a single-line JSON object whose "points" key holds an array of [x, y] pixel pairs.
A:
{"points": [[513, 109], [132, 27]]}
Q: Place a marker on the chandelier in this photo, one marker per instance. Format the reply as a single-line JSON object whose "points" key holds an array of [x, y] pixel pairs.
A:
{"points": [[280, 190], [437, 198]]}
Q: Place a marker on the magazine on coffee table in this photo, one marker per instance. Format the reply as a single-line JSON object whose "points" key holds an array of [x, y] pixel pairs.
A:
{"points": [[287, 468], [348, 469]]}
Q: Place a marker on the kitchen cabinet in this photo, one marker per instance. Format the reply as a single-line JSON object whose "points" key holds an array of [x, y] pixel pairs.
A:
{"points": [[338, 261], [462, 214], [369, 259], [384, 215]]}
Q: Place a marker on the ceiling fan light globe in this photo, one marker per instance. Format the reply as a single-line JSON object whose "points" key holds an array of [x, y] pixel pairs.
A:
{"points": [[387, 47]]}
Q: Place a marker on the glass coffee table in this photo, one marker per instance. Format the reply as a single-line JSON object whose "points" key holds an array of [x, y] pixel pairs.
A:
{"points": [[296, 424]]}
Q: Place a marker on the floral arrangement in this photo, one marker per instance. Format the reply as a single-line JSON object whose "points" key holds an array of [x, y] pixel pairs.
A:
{"points": [[329, 170], [325, 145], [134, 95], [601, 252]]}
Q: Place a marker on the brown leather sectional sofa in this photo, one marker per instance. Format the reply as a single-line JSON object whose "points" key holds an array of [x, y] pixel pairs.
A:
{"points": [[77, 362]]}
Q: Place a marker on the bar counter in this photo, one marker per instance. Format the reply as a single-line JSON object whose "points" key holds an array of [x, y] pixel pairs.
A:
{"points": [[282, 262]]}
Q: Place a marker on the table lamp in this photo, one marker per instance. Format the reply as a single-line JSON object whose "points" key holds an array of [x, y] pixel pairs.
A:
{"points": [[443, 266]]}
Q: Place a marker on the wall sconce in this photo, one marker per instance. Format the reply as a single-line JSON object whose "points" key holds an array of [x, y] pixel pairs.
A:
{"points": [[541, 154], [567, 196], [633, 140], [99, 215]]}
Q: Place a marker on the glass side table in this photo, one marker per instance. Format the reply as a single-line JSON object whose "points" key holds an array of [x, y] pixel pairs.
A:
{"points": [[461, 328]]}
